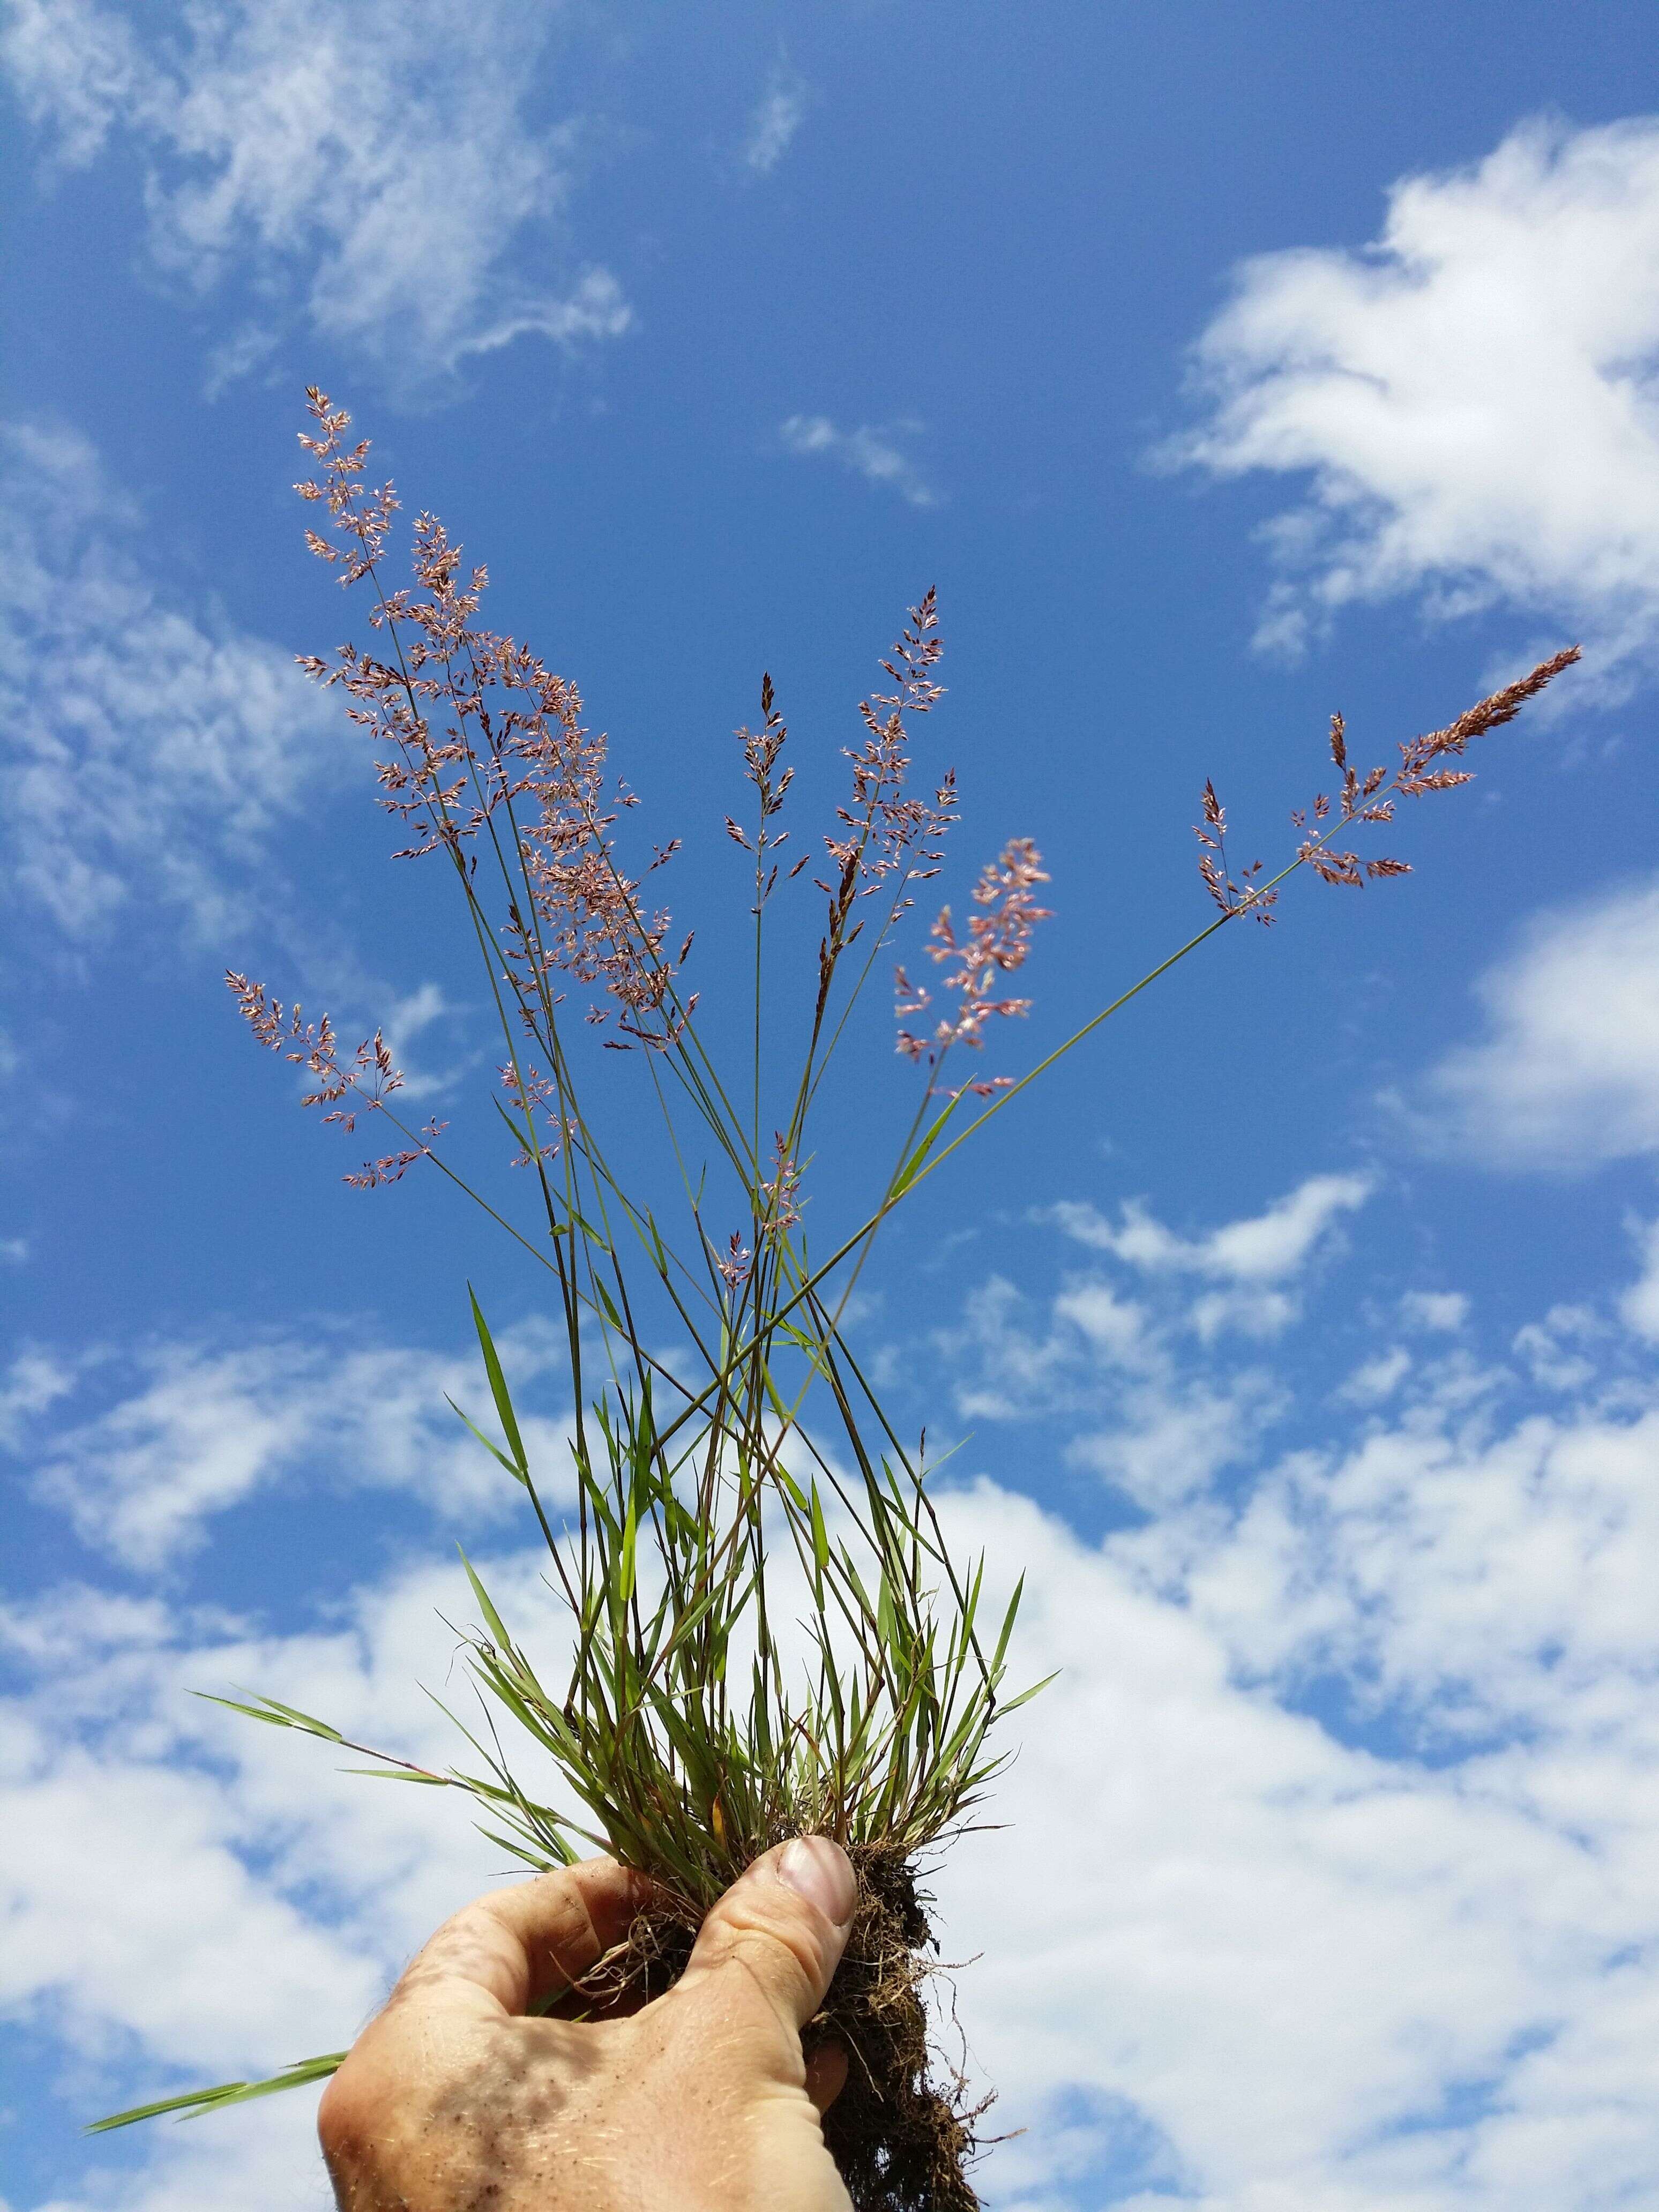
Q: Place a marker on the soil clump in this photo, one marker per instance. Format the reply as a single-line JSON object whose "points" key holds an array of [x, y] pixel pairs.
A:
{"points": [[900, 2131]]}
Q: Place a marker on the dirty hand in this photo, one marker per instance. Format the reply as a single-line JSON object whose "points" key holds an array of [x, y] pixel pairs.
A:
{"points": [[453, 2100]]}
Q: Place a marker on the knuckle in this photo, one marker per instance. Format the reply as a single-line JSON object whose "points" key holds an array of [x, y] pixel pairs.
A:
{"points": [[345, 2115], [780, 1944]]}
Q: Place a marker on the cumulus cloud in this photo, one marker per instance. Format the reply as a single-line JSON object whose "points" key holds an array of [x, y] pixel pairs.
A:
{"points": [[194, 1429], [151, 751], [871, 452], [1472, 398], [1232, 1950], [1566, 1074], [777, 117], [379, 173], [1246, 1962], [232, 1842]]}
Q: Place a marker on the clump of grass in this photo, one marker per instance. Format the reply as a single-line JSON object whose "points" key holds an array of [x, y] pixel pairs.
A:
{"points": [[767, 1632]]}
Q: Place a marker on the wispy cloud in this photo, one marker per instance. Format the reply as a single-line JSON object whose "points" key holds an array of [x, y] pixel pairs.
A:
{"points": [[1104, 1343], [31, 1384], [377, 172], [1435, 1310], [777, 117], [1471, 398], [870, 451], [152, 751], [1566, 1074], [191, 1431], [1251, 1259]]}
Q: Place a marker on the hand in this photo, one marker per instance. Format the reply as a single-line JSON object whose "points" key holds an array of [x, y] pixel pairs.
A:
{"points": [[452, 2100]]}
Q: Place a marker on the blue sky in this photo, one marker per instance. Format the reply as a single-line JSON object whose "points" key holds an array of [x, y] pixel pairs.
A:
{"points": [[1221, 368]]}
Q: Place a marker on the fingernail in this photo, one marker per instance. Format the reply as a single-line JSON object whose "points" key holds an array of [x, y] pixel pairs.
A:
{"points": [[821, 1872]]}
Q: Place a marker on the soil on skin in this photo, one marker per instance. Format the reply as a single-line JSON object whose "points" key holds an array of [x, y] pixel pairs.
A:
{"points": [[903, 2138]]}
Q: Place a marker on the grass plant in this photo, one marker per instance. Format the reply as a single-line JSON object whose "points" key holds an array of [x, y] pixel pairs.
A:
{"points": [[767, 1632]]}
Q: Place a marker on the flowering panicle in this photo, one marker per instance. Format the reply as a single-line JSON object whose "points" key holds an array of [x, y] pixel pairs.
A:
{"points": [[1415, 774], [886, 831], [369, 1078], [364, 516], [998, 941], [1231, 897], [882, 824], [532, 1094], [761, 748], [735, 1262], [472, 726], [1367, 800], [782, 1194]]}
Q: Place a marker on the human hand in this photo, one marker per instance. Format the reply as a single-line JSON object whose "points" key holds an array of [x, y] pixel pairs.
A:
{"points": [[453, 2100]]}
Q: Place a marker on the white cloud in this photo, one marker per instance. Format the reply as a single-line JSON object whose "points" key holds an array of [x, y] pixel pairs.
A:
{"points": [[151, 752], [1169, 1440], [870, 452], [1097, 1350], [1169, 1431], [379, 172], [1557, 1349], [228, 1842], [1434, 1310], [33, 1381], [1263, 1249], [1374, 1380], [73, 65], [1261, 1962], [1268, 1969], [1225, 1951], [1251, 1259], [1472, 397], [1481, 1578], [201, 1429], [259, 2158], [1639, 1307], [777, 117], [151, 1843], [1567, 1074]]}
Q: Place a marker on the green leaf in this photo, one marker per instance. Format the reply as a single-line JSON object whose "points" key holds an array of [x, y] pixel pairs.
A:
{"points": [[907, 1175], [493, 1618], [792, 1489], [1008, 1626], [196, 2101], [624, 1582], [498, 1389], [495, 1450], [276, 1714], [402, 1774], [1025, 1695]]}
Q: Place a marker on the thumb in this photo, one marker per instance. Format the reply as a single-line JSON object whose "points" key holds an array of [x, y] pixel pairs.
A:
{"points": [[775, 1938]]}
